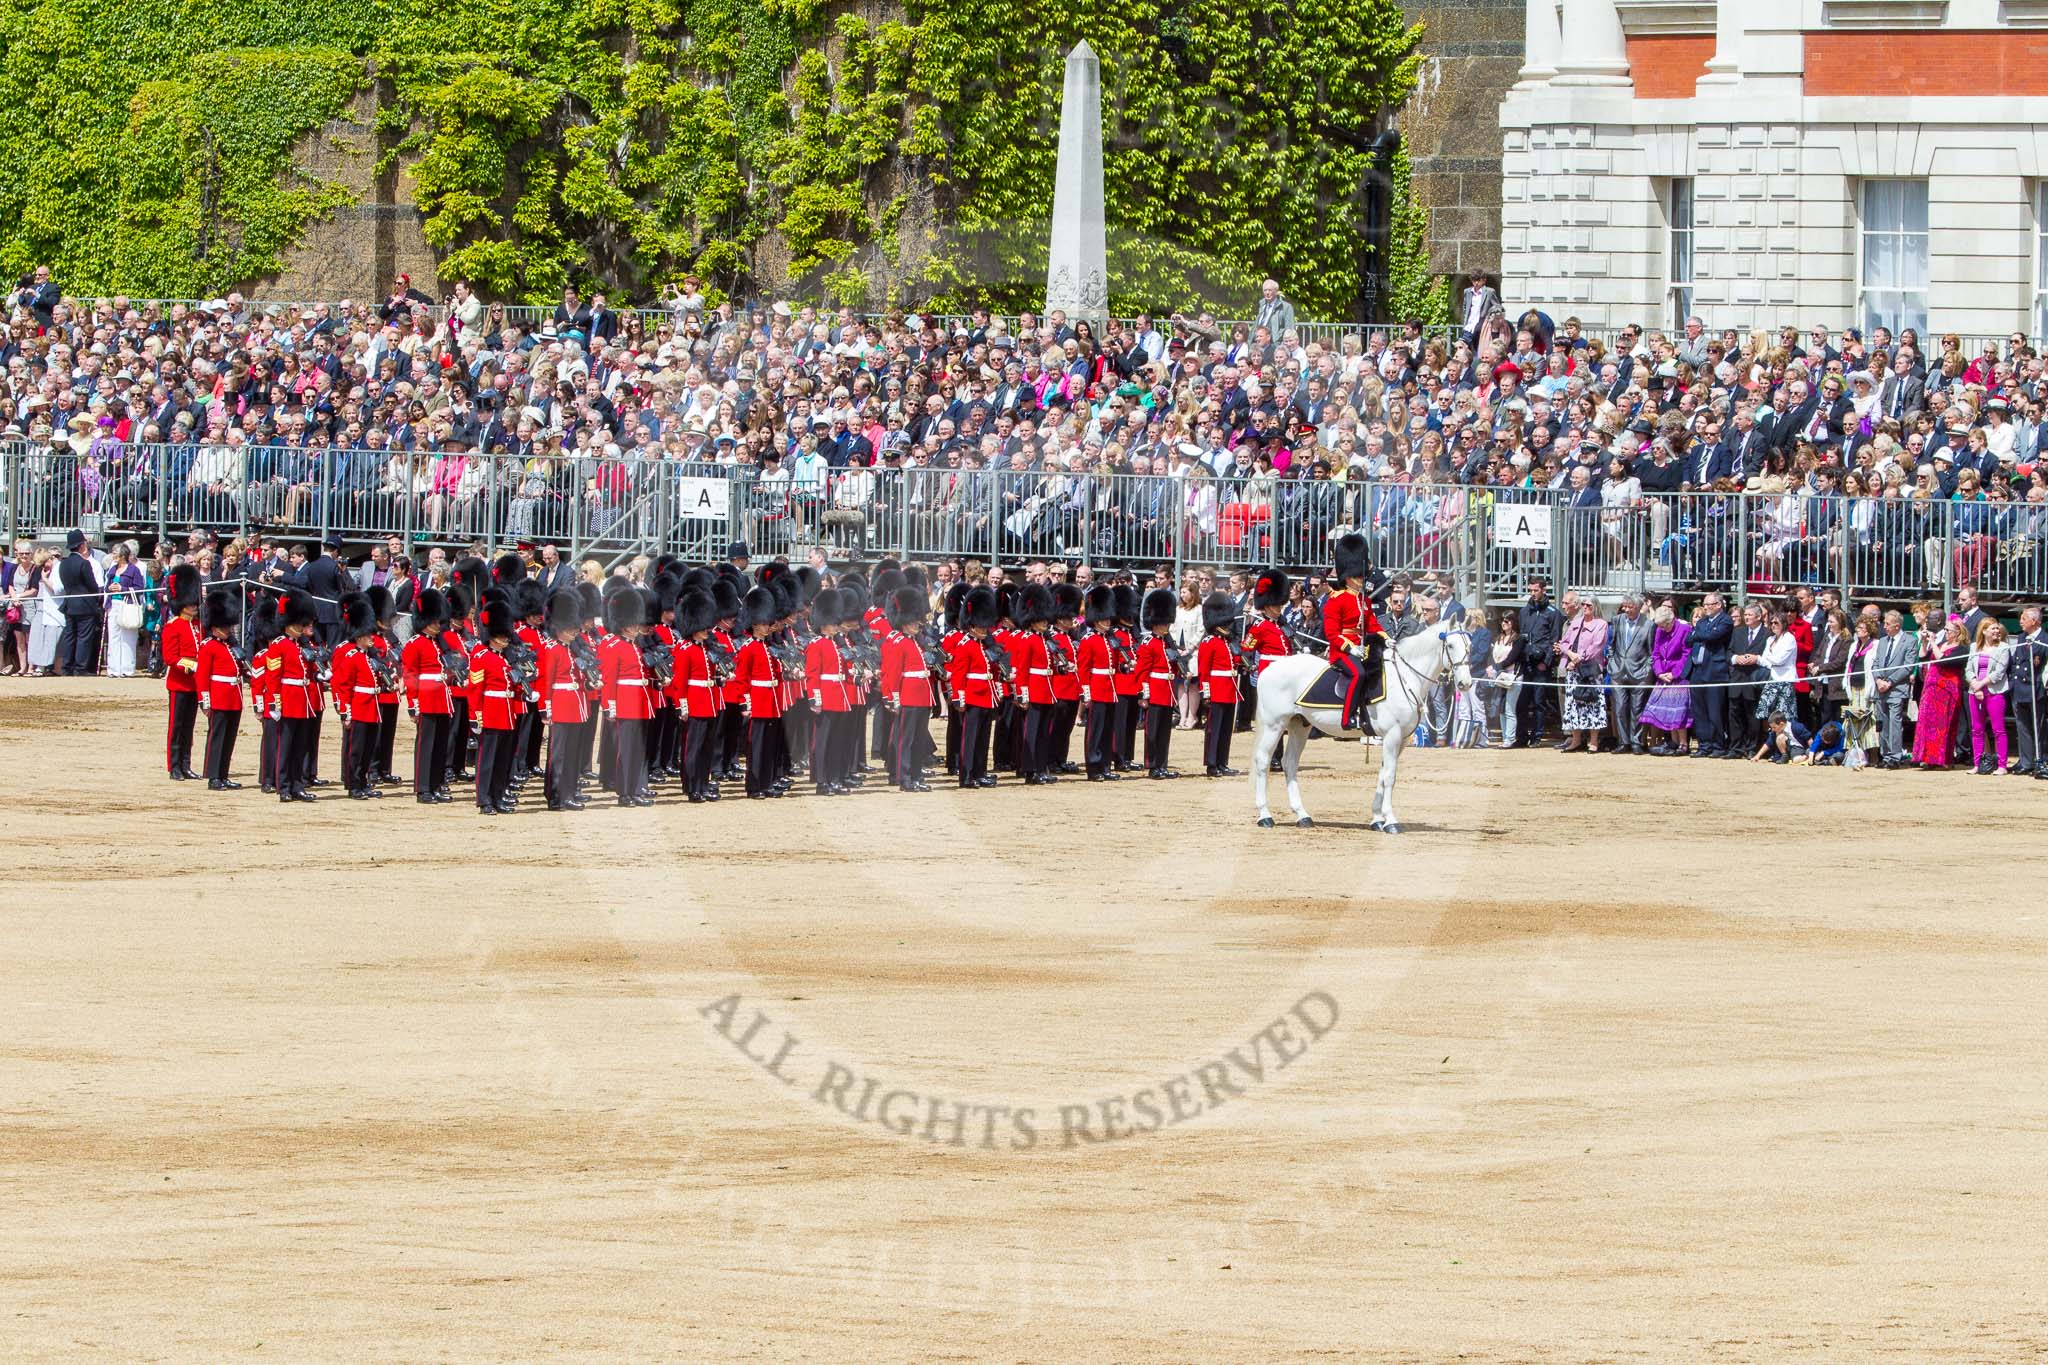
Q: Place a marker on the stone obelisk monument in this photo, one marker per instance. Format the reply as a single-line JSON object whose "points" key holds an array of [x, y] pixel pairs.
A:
{"points": [[1077, 269]]}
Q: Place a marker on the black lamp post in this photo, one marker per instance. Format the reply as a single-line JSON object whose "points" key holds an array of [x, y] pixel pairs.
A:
{"points": [[1379, 194]]}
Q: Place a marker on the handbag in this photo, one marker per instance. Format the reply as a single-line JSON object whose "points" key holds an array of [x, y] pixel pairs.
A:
{"points": [[128, 614]]}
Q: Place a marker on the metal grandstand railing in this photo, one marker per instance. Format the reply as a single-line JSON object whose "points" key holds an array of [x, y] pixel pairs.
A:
{"points": [[1489, 541]]}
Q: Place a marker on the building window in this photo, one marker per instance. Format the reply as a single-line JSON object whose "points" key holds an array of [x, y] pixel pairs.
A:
{"points": [[1678, 289], [2041, 260], [1894, 255]]}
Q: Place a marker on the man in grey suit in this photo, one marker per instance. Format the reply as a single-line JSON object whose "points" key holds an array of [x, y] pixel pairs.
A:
{"points": [[1891, 675], [1628, 671]]}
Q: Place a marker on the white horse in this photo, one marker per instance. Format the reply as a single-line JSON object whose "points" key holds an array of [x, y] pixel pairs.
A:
{"points": [[1413, 666]]}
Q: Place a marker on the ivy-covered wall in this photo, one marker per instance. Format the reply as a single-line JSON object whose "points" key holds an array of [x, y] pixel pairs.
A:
{"points": [[867, 153]]}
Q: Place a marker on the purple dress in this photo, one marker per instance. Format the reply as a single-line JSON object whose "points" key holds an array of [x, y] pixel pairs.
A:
{"points": [[1669, 707]]}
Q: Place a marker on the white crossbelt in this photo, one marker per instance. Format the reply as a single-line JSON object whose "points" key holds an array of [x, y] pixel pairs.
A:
{"points": [[1041, 673], [830, 677], [700, 682], [1167, 676], [430, 677], [224, 677], [370, 690], [977, 677], [567, 687], [765, 684], [917, 675]]}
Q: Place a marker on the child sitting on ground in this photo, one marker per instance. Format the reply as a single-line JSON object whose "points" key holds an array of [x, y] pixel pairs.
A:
{"points": [[1784, 735], [1826, 748]]}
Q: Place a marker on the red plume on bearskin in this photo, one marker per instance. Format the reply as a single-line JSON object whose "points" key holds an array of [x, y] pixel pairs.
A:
{"points": [[1270, 588]]}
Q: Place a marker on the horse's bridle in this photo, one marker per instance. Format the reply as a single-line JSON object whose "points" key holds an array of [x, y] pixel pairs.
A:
{"points": [[1428, 680]]}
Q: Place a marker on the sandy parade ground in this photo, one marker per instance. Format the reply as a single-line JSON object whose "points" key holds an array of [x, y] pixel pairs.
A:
{"points": [[1605, 1059]]}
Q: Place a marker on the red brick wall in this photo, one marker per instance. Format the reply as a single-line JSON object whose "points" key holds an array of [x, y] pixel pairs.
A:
{"points": [[1664, 66], [1983, 62]]}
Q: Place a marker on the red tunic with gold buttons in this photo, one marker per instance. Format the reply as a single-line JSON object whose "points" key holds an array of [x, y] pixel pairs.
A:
{"points": [[491, 690], [1096, 662], [906, 677], [1066, 680], [1267, 639], [626, 693], [1033, 661], [693, 684], [1216, 669], [220, 675], [1347, 620], [825, 675], [561, 695], [427, 688], [181, 655], [298, 696], [355, 686], [758, 675], [1155, 671]]}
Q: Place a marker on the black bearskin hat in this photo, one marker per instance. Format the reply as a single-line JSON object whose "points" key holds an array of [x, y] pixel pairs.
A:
{"points": [[529, 599], [358, 617], [695, 611], [184, 586], [698, 580], [667, 588], [263, 622], [671, 565], [1006, 603], [623, 610], [592, 600], [497, 619], [460, 604], [907, 606], [914, 576], [807, 579], [1099, 604], [888, 564], [381, 605], [429, 609], [507, 569], [765, 576], [1126, 602], [220, 611], [886, 582], [565, 611], [854, 600], [651, 606], [1354, 557], [826, 609], [956, 606], [725, 597], [1219, 612], [1066, 598], [299, 610], [981, 609], [762, 608], [1270, 588], [1034, 605], [1160, 608], [788, 595], [469, 573]]}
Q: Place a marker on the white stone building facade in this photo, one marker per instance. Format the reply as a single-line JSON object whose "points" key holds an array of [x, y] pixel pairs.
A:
{"points": [[1763, 162]]}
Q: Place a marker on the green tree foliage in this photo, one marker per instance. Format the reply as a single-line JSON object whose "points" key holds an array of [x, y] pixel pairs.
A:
{"points": [[147, 142]]}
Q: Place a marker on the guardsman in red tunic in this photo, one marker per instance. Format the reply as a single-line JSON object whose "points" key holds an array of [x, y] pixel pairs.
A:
{"points": [[628, 700], [562, 702], [1031, 655], [1158, 668], [1129, 687], [220, 674], [973, 682], [181, 668], [949, 645], [429, 696], [835, 735], [531, 604], [263, 632], [1349, 625], [298, 697], [1266, 639], [1066, 677], [755, 668], [906, 684], [1216, 671], [726, 593], [491, 707], [355, 697], [697, 685], [1095, 659], [592, 671], [384, 652]]}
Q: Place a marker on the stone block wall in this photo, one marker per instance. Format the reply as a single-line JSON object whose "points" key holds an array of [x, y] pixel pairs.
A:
{"points": [[1472, 51]]}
